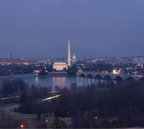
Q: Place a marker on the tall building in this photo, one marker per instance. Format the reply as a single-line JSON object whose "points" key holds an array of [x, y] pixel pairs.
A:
{"points": [[69, 56]]}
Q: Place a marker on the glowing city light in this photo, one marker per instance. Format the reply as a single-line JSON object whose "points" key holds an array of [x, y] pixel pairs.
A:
{"points": [[96, 118], [47, 121], [22, 126], [49, 98], [114, 71]]}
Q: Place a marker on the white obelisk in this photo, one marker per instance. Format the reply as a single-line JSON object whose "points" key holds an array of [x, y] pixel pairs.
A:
{"points": [[69, 56]]}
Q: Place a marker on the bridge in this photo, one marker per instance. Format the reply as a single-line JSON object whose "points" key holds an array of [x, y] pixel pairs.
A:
{"points": [[109, 76]]}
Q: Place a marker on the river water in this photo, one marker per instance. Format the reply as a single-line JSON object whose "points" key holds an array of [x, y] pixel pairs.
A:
{"points": [[56, 81]]}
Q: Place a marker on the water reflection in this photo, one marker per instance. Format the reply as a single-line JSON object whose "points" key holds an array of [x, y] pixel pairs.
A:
{"points": [[77, 81], [36, 81], [65, 81], [60, 81]]}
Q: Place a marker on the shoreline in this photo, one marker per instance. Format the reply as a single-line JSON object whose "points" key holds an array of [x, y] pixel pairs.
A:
{"points": [[51, 74]]}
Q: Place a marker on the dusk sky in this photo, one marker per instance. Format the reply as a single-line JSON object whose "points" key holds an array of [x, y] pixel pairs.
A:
{"points": [[97, 28]]}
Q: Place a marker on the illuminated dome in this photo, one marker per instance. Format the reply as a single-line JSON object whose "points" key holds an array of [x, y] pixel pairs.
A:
{"points": [[74, 57], [60, 66]]}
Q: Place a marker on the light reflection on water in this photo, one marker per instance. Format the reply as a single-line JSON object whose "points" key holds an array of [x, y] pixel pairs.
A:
{"points": [[67, 81], [60, 81]]}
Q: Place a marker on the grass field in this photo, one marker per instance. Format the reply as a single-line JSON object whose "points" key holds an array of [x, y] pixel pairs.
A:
{"points": [[30, 120]]}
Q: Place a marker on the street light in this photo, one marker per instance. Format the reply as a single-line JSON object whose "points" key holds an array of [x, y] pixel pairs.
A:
{"points": [[21, 126], [95, 118], [47, 121]]}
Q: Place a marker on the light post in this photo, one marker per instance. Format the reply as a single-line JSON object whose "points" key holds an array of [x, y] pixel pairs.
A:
{"points": [[21, 126], [95, 118], [47, 121]]}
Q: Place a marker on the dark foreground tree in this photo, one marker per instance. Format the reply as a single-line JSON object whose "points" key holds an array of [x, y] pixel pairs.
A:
{"points": [[13, 87], [57, 123], [7, 88], [25, 103]]}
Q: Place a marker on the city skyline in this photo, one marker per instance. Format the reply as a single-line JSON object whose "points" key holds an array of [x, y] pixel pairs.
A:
{"points": [[40, 29]]}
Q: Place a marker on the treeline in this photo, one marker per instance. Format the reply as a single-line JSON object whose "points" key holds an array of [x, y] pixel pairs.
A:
{"points": [[23, 69], [122, 105], [15, 69], [29, 98], [105, 66], [39, 92], [13, 87], [72, 70], [98, 67]]}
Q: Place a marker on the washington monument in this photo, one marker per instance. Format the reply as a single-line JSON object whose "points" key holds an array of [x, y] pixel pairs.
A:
{"points": [[69, 56]]}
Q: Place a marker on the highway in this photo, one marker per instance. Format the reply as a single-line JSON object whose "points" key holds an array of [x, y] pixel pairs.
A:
{"points": [[9, 107], [4, 107]]}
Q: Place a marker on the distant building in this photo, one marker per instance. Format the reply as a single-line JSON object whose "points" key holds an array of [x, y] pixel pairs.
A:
{"points": [[14, 62], [74, 57], [59, 66]]}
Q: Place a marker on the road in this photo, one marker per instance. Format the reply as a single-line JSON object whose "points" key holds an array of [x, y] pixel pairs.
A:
{"points": [[10, 97], [9, 107]]}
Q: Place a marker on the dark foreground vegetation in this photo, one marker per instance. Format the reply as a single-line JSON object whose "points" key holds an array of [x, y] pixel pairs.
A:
{"points": [[13, 87], [11, 91], [97, 106]]}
